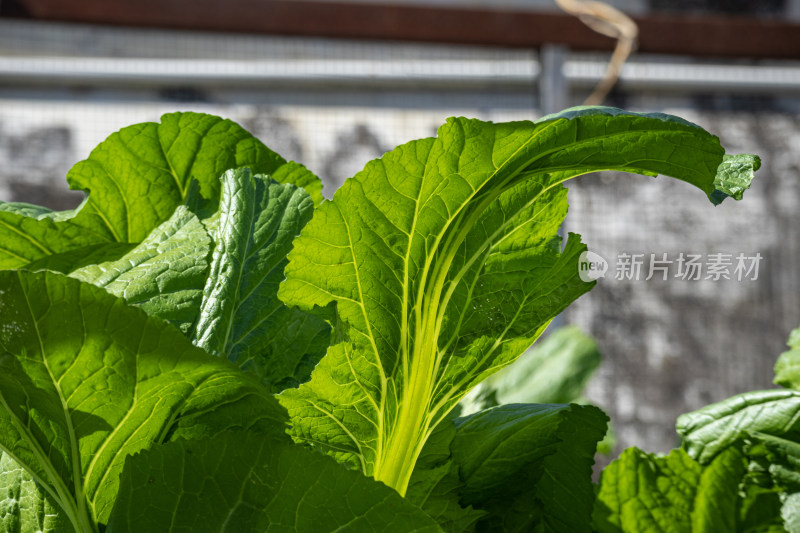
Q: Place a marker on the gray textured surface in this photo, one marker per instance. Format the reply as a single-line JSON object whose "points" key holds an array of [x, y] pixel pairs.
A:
{"points": [[673, 346]]}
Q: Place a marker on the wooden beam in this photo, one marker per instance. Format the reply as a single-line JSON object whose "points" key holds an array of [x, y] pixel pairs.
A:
{"points": [[719, 36], [716, 36]]}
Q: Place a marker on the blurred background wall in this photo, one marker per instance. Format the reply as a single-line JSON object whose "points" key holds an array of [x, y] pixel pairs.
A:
{"points": [[333, 85]]}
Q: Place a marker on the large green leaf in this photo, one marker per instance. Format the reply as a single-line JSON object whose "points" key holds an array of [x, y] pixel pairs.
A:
{"points": [[24, 506], [710, 430], [135, 179], [86, 380], [444, 264], [240, 314], [227, 301], [246, 483], [645, 493]]}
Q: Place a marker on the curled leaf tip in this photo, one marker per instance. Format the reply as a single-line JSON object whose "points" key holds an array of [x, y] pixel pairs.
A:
{"points": [[734, 176]]}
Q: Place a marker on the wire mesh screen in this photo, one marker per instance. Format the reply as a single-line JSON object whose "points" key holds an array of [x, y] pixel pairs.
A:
{"points": [[671, 344], [327, 104]]}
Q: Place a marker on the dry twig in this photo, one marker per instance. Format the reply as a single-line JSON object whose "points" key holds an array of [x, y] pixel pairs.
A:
{"points": [[610, 21]]}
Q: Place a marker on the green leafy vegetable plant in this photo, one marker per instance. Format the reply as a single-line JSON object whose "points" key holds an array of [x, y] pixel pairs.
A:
{"points": [[738, 468], [183, 350], [442, 258]]}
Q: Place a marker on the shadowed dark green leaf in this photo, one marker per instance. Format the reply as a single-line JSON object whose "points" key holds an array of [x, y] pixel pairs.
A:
{"points": [[513, 468], [86, 380], [444, 264], [529, 465], [778, 457], [778, 460], [135, 179], [759, 510], [435, 485], [246, 483]]}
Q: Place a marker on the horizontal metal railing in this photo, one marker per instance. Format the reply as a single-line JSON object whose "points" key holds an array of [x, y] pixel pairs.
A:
{"points": [[63, 55]]}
